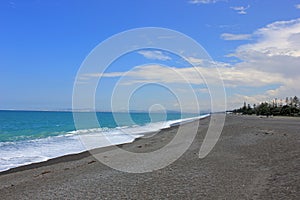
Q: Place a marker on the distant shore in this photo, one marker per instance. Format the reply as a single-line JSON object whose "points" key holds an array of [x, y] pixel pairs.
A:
{"points": [[255, 158]]}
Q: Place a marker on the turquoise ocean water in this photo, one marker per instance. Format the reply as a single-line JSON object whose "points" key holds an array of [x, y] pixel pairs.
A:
{"points": [[34, 136]]}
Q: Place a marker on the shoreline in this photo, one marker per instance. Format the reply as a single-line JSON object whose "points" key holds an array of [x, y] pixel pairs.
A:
{"points": [[86, 153], [255, 158]]}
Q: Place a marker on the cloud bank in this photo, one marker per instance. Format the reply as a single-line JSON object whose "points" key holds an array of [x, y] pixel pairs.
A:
{"points": [[268, 67], [276, 54]]}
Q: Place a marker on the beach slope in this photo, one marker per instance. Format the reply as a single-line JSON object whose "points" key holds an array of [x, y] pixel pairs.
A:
{"points": [[255, 158]]}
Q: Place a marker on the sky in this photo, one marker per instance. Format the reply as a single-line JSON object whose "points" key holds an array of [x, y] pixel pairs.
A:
{"points": [[254, 44]]}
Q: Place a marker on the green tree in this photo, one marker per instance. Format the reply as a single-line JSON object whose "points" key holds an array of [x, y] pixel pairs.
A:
{"points": [[286, 110], [296, 101], [291, 108], [264, 109]]}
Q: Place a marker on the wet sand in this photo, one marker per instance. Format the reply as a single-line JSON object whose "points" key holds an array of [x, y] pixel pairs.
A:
{"points": [[255, 158]]}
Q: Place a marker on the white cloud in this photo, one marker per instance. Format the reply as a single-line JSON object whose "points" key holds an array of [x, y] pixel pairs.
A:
{"points": [[229, 36], [297, 6], [276, 52], [194, 61], [231, 76], [234, 77], [279, 38], [154, 54], [240, 9], [203, 1]]}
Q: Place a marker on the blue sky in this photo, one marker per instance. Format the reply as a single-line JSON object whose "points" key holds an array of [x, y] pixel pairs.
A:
{"points": [[255, 44]]}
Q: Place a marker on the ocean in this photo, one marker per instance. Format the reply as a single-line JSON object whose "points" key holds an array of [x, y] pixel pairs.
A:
{"points": [[34, 136]]}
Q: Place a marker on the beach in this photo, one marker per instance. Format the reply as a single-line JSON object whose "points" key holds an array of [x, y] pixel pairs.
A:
{"points": [[255, 158]]}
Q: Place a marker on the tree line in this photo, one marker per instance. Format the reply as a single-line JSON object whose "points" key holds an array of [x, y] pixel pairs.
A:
{"points": [[290, 107]]}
